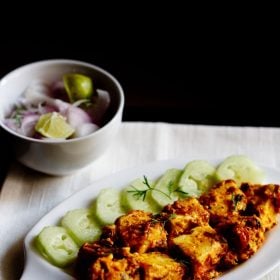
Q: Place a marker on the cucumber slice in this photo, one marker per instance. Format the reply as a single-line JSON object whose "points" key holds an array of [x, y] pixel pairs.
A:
{"points": [[81, 225], [108, 206], [57, 246], [132, 200], [241, 169], [198, 176], [166, 187]]}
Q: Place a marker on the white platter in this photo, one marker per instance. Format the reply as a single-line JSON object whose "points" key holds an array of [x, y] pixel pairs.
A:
{"points": [[36, 267]]}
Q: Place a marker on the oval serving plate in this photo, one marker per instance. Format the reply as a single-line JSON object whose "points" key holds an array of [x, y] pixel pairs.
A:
{"points": [[36, 267]]}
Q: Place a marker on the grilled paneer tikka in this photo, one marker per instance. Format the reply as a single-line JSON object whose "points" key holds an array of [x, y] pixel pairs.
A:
{"points": [[190, 239]]}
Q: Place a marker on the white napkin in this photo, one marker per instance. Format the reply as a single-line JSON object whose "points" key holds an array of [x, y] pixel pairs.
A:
{"points": [[27, 195]]}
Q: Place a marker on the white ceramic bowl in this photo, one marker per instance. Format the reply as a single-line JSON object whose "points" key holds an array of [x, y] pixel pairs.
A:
{"points": [[65, 156]]}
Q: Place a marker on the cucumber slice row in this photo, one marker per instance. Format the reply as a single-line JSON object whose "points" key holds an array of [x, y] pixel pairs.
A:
{"points": [[60, 245]]}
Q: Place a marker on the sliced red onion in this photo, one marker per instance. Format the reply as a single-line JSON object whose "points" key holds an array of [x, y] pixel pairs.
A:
{"points": [[80, 102], [39, 98], [58, 91], [28, 124], [85, 129], [44, 109], [12, 124], [37, 92], [99, 108], [61, 106], [77, 117]]}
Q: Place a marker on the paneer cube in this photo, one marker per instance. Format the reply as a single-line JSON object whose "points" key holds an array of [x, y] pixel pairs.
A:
{"points": [[156, 265], [108, 268], [203, 247], [224, 199], [244, 235], [264, 202], [141, 231], [183, 215]]}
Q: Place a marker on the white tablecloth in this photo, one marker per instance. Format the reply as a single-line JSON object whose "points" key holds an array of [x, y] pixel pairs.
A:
{"points": [[27, 195]]}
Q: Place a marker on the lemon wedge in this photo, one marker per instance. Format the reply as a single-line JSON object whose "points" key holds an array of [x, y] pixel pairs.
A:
{"points": [[78, 86], [54, 125]]}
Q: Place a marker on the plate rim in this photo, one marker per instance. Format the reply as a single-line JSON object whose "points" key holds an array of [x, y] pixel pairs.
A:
{"points": [[34, 263]]}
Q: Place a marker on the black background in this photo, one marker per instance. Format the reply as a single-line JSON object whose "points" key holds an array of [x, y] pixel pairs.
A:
{"points": [[213, 73], [222, 83]]}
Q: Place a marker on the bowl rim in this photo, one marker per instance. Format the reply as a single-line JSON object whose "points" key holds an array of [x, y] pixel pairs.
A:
{"points": [[74, 62]]}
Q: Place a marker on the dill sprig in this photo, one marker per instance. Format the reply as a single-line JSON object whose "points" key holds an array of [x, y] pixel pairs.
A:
{"points": [[141, 194], [179, 190], [17, 116], [170, 186]]}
